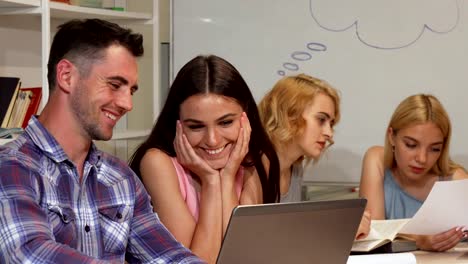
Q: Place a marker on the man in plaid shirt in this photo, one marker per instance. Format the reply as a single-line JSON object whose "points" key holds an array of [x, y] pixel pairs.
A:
{"points": [[61, 199]]}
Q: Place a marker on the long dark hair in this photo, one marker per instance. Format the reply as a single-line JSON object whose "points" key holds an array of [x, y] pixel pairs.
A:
{"points": [[212, 74]]}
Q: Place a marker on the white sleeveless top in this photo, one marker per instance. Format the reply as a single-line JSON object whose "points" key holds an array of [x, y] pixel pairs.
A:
{"points": [[295, 186]]}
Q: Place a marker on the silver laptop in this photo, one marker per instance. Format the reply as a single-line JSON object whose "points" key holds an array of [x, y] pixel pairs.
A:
{"points": [[304, 232]]}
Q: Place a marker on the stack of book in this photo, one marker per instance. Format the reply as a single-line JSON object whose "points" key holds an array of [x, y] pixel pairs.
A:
{"points": [[87, 3], [17, 104], [384, 237], [119, 5], [61, 1]]}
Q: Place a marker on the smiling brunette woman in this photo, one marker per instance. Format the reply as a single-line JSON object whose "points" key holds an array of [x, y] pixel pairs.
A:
{"points": [[206, 154]]}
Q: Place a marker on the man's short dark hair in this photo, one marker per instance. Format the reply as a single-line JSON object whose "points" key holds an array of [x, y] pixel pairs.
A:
{"points": [[83, 42]]}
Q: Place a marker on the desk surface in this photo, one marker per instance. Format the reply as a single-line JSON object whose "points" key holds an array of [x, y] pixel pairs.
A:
{"points": [[459, 254], [312, 191], [320, 191]]}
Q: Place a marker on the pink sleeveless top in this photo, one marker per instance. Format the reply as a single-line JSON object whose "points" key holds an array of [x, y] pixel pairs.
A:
{"points": [[189, 187]]}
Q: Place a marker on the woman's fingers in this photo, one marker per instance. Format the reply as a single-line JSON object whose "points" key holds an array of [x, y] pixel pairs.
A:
{"points": [[443, 241], [247, 132], [364, 225], [448, 239], [179, 145], [240, 149]]}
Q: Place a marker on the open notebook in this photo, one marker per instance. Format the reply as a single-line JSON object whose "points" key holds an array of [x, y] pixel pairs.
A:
{"points": [[304, 232]]}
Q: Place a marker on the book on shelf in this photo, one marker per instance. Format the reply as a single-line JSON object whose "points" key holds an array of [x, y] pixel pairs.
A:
{"points": [[61, 1], [9, 87], [26, 100], [14, 111], [385, 233], [87, 3], [118, 5], [19, 109], [33, 107]]}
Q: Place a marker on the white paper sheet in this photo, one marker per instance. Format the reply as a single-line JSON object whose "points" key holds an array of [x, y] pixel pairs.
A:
{"points": [[389, 258], [444, 208]]}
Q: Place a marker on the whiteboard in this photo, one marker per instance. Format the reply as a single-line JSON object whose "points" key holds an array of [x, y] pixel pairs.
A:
{"points": [[376, 53]]}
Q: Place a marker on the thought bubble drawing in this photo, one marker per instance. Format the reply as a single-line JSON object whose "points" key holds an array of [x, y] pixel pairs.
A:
{"points": [[387, 24], [301, 56]]}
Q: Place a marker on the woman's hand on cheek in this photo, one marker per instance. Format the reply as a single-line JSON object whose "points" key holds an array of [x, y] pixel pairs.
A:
{"points": [[240, 149], [187, 156]]}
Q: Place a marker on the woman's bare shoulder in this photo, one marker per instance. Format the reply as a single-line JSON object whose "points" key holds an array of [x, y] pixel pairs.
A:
{"points": [[460, 174], [375, 152], [156, 161], [373, 163], [155, 154]]}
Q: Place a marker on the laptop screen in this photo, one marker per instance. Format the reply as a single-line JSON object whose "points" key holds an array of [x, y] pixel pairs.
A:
{"points": [[305, 232]]}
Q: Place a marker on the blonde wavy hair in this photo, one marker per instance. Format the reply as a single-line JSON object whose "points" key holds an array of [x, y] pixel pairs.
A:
{"points": [[281, 109], [419, 109]]}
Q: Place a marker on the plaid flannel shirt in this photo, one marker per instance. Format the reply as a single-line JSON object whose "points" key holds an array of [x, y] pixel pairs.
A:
{"points": [[48, 216]]}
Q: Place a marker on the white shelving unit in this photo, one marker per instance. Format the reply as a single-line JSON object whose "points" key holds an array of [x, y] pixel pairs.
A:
{"points": [[59, 10], [19, 3], [50, 12]]}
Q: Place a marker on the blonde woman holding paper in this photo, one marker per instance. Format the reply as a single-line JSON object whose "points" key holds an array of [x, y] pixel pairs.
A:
{"points": [[397, 178]]}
